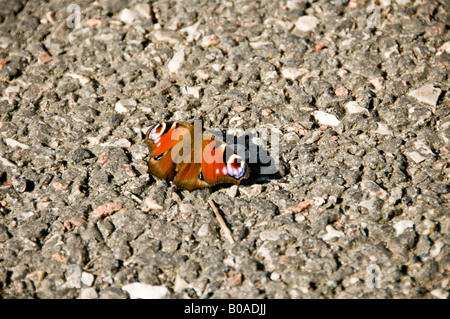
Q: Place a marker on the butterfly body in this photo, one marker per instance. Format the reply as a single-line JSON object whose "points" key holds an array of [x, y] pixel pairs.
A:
{"points": [[182, 154]]}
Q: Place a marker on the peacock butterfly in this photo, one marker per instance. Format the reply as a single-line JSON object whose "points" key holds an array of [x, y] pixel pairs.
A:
{"points": [[187, 156]]}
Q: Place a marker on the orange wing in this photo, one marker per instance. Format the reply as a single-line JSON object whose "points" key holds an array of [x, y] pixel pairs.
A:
{"points": [[160, 140]]}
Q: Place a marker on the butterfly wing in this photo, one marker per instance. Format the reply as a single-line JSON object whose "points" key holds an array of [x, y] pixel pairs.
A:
{"points": [[189, 176], [221, 165], [160, 140], [189, 170]]}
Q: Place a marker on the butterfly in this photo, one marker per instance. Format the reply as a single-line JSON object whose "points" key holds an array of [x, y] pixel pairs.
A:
{"points": [[187, 156]]}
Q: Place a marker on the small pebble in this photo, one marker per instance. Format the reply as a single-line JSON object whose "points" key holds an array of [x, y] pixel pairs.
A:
{"points": [[275, 276], [353, 107], [208, 41], [138, 290], [416, 157], [266, 112], [176, 62], [204, 230], [271, 235], [403, 225], [332, 233], [144, 10], [440, 293], [326, 118], [125, 106], [180, 284], [128, 16], [427, 94], [87, 278], [150, 204], [88, 293], [306, 23], [292, 73]]}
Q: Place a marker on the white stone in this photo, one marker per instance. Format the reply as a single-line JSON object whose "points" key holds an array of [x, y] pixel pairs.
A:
{"points": [[403, 225], [104, 37], [306, 23], [199, 285], [275, 276], [209, 40], [73, 276], [396, 195], [232, 191], [150, 204], [293, 73], [445, 47], [271, 235], [393, 49], [175, 63], [121, 142], [353, 107], [236, 121], [373, 189], [326, 118], [416, 157], [128, 16], [264, 251], [217, 67], [13, 89], [383, 129], [186, 208], [440, 293], [351, 281], [88, 293], [180, 284], [81, 78], [260, 44], [143, 9], [332, 233], [5, 42], [13, 143], [251, 191], [444, 127], [125, 106], [279, 23], [427, 94], [370, 204], [270, 75], [165, 36], [203, 231], [138, 290], [311, 137], [423, 148], [191, 90], [436, 249], [87, 278], [192, 32]]}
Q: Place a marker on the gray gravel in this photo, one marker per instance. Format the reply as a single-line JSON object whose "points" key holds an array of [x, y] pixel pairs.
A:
{"points": [[360, 92]]}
